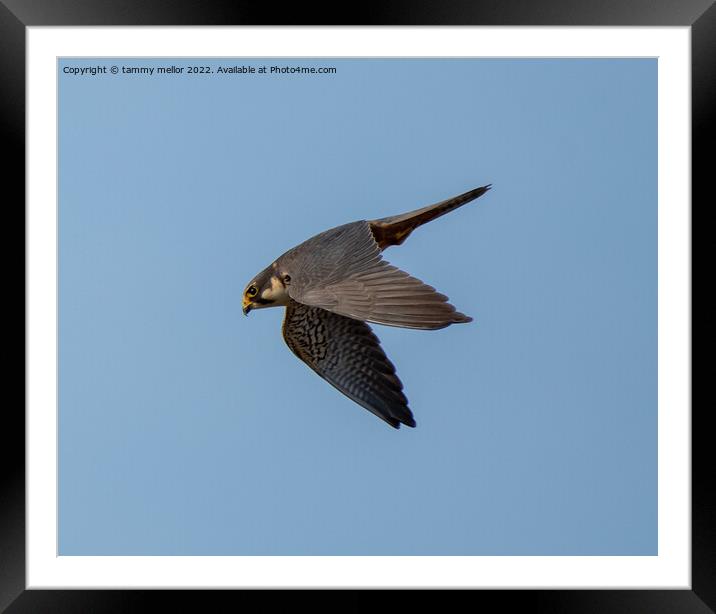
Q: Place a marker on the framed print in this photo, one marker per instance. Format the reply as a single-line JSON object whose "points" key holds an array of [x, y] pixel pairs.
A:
{"points": [[173, 443]]}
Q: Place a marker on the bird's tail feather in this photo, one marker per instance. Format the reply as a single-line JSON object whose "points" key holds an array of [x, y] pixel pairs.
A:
{"points": [[395, 229]]}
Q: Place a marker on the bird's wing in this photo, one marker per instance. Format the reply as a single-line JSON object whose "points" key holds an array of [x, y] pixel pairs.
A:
{"points": [[342, 270], [347, 354]]}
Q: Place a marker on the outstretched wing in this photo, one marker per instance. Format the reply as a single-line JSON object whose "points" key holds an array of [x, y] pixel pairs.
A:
{"points": [[347, 354], [342, 270]]}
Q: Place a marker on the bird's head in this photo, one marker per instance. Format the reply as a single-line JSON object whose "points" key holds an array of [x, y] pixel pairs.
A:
{"points": [[267, 289]]}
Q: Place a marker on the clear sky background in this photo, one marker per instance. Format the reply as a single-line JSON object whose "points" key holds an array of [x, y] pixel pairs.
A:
{"points": [[188, 429]]}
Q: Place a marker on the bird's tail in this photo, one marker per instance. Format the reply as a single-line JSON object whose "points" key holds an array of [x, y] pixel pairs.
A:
{"points": [[394, 230]]}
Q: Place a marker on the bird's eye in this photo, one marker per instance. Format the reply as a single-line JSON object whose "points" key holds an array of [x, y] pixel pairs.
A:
{"points": [[252, 291], [286, 278]]}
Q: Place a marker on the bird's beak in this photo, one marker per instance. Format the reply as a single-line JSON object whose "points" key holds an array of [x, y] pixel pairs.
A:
{"points": [[246, 307]]}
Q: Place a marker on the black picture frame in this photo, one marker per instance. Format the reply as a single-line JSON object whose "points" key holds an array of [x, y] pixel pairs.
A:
{"points": [[16, 15]]}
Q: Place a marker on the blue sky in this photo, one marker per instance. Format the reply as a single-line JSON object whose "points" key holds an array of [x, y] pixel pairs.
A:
{"points": [[188, 429]]}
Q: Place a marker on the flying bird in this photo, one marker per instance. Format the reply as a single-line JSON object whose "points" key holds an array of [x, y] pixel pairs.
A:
{"points": [[336, 282]]}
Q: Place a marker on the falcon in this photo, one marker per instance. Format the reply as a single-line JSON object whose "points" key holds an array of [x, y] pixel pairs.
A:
{"points": [[336, 282]]}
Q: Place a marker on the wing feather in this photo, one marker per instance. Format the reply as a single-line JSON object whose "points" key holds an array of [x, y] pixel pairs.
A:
{"points": [[347, 354], [342, 271]]}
